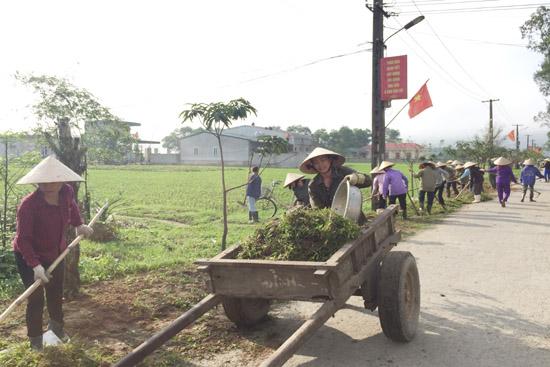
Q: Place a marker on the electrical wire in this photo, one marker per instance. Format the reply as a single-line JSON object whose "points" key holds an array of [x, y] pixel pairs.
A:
{"points": [[464, 39], [443, 2], [303, 66], [479, 9], [451, 54], [440, 69]]}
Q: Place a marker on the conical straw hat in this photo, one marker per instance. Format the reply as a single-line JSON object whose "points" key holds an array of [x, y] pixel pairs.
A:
{"points": [[49, 170], [306, 166], [376, 170], [450, 161], [385, 164], [441, 164], [529, 162], [457, 163], [469, 164], [458, 167], [501, 161], [292, 177]]}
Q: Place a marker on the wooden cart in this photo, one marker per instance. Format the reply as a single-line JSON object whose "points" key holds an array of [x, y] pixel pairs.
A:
{"points": [[364, 267]]}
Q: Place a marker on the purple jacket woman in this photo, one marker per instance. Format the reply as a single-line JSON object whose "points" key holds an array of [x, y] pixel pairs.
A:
{"points": [[505, 175]]}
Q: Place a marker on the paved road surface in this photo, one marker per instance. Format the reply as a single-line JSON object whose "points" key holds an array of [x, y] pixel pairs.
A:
{"points": [[485, 278]]}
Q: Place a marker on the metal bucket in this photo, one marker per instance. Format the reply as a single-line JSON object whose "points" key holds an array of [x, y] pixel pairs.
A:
{"points": [[347, 201]]}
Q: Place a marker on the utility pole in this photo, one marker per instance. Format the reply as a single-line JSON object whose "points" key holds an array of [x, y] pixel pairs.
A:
{"points": [[517, 144], [491, 136], [527, 146], [517, 136], [378, 118]]}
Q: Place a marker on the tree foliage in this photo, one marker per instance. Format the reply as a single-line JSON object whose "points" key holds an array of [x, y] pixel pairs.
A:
{"points": [[299, 129], [345, 140], [64, 106], [537, 32], [172, 141]]}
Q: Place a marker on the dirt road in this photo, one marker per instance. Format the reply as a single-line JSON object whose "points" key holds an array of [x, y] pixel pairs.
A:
{"points": [[485, 275]]}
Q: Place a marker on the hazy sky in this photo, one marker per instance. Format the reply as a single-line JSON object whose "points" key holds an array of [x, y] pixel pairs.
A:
{"points": [[147, 59]]}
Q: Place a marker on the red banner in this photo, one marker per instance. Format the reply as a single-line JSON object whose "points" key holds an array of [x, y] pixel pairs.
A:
{"points": [[393, 77]]}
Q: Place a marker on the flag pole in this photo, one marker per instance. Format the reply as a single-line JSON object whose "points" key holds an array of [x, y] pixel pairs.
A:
{"points": [[405, 105]]}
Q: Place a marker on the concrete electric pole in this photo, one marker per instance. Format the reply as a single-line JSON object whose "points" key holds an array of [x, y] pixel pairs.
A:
{"points": [[491, 134], [378, 116]]}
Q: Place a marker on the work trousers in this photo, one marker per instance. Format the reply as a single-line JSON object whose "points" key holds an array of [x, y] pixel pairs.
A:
{"points": [[251, 203], [477, 188], [503, 191], [431, 195], [35, 302], [531, 191], [451, 184], [439, 193], [402, 201], [493, 181], [379, 202]]}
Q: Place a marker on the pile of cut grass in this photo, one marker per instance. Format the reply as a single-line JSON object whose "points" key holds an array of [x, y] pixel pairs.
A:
{"points": [[301, 235]]}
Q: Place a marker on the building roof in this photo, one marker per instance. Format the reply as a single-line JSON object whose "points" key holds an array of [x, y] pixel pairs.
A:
{"points": [[252, 133]]}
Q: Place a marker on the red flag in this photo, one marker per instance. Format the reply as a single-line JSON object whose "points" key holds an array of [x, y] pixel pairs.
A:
{"points": [[512, 135], [420, 101]]}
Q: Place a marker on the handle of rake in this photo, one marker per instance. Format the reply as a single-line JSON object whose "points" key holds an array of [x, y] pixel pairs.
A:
{"points": [[461, 191], [60, 258]]}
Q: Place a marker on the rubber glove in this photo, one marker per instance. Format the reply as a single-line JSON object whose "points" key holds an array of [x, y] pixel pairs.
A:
{"points": [[84, 230], [40, 274]]}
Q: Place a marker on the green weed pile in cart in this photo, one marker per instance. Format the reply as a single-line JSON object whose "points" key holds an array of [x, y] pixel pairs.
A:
{"points": [[301, 235]]}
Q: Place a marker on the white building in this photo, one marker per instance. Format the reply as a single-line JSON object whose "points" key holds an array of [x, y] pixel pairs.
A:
{"points": [[238, 145]]}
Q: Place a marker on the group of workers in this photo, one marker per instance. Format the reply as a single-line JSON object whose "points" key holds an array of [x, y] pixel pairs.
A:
{"points": [[390, 186], [44, 216]]}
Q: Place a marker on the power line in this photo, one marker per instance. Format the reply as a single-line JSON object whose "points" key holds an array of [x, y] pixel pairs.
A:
{"points": [[466, 39], [442, 2], [303, 65], [451, 54], [479, 9], [454, 81]]}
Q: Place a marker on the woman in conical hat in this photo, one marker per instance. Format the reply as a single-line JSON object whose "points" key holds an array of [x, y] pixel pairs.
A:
{"points": [[475, 175], [528, 177], [330, 171], [378, 188], [504, 175], [42, 219], [299, 185], [395, 186]]}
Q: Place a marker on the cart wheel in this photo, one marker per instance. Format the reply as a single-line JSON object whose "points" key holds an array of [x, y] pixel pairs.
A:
{"points": [[246, 312], [399, 296]]}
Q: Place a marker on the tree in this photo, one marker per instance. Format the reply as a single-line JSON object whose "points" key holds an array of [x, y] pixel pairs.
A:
{"points": [[299, 129], [108, 141], [343, 140], [537, 32], [393, 136], [268, 146], [61, 107], [214, 118]]}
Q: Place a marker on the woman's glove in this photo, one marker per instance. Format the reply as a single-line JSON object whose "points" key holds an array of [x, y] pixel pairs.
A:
{"points": [[84, 230], [40, 274], [355, 178]]}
